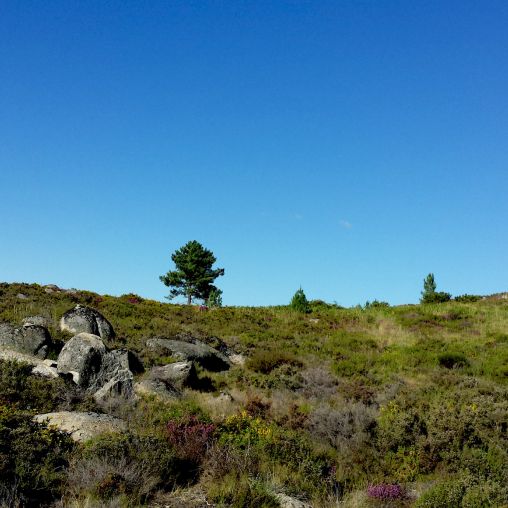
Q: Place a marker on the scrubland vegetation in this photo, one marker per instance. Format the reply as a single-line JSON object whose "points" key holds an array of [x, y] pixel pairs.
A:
{"points": [[364, 407]]}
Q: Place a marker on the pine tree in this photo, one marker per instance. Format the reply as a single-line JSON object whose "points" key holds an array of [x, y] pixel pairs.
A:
{"points": [[299, 302], [194, 275]]}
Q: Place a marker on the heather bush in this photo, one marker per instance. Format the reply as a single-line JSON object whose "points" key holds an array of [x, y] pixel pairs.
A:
{"points": [[134, 467], [386, 492], [24, 391], [487, 493], [447, 494], [33, 459], [255, 406], [237, 491], [264, 362], [346, 427], [190, 438]]}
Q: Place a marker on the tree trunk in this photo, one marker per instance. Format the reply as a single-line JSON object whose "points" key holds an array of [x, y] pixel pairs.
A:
{"points": [[189, 299]]}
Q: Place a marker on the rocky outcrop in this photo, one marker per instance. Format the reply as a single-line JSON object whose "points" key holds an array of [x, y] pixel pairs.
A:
{"points": [[206, 356], [83, 319], [95, 369], [30, 339], [159, 389], [179, 374], [82, 426]]}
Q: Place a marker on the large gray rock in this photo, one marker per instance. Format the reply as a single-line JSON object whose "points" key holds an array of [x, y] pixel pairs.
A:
{"points": [[83, 357], [177, 374], [30, 339], [95, 369], [208, 357], [83, 319], [82, 426]]}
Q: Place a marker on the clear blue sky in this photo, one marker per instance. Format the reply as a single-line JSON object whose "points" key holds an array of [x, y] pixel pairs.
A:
{"points": [[350, 147]]}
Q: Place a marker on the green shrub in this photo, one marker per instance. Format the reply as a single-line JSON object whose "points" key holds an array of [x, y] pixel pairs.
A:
{"points": [[443, 495], [214, 300], [467, 298], [437, 297], [33, 459], [242, 492], [19, 387], [264, 361], [486, 494], [128, 465], [376, 304]]}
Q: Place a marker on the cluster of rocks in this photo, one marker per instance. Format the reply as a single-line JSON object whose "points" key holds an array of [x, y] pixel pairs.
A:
{"points": [[86, 361]]}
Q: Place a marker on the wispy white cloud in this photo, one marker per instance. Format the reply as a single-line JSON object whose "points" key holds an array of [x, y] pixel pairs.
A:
{"points": [[346, 224], [298, 216]]}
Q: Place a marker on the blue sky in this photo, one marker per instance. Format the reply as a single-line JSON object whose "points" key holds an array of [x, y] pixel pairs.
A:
{"points": [[350, 147]]}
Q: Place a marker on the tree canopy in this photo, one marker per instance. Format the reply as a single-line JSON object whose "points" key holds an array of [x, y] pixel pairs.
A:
{"points": [[194, 274]]}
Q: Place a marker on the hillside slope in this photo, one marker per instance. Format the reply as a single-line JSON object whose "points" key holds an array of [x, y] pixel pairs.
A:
{"points": [[410, 400]]}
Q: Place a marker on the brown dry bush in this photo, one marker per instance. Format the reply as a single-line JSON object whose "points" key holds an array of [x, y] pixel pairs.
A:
{"points": [[318, 383], [123, 465], [344, 428]]}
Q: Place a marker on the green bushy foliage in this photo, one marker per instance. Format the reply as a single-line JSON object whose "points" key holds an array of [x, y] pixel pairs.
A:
{"points": [[129, 465], [467, 298], [240, 491], [443, 495], [266, 361], [376, 304], [299, 302], [214, 299], [33, 460]]}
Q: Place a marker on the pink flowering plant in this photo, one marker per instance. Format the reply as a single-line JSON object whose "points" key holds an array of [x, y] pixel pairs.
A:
{"points": [[386, 492], [190, 437]]}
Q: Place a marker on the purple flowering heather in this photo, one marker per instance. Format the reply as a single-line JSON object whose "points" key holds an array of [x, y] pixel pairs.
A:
{"points": [[385, 491]]}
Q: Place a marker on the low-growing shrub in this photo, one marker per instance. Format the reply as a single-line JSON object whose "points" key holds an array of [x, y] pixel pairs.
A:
{"points": [[255, 406], [33, 460], [447, 494], [125, 465], [467, 298], [347, 427], [190, 437], [264, 361], [24, 391], [242, 492], [376, 304], [386, 491]]}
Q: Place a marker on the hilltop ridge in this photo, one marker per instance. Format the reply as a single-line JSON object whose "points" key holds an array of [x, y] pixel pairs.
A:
{"points": [[315, 408]]}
